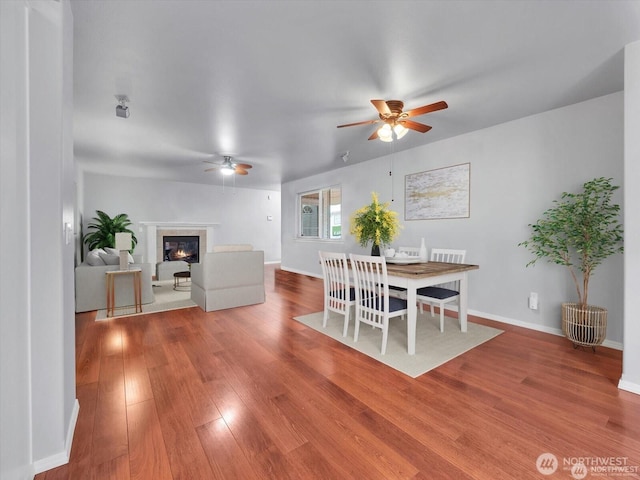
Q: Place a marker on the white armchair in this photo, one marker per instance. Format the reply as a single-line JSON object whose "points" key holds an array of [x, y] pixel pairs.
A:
{"points": [[228, 279]]}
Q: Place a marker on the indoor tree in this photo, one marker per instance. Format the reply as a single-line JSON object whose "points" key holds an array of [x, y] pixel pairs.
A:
{"points": [[579, 232], [105, 229]]}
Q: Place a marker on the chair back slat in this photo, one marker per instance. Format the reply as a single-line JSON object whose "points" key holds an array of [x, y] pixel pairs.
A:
{"points": [[411, 251], [336, 279], [370, 275], [338, 296], [448, 255]]}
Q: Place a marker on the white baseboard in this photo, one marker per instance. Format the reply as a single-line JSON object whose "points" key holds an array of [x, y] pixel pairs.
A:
{"points": [[632, 387], [534, 326], [60, 458], [301, 272], [72, 427]]}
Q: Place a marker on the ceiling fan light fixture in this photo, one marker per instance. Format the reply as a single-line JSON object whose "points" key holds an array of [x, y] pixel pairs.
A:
{"points": [[227, 170], [400, 130], [385, 133]]}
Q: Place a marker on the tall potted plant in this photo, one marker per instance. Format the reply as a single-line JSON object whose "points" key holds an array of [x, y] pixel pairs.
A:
{"points": [[104, 229], [375, 224], [579, 232]]}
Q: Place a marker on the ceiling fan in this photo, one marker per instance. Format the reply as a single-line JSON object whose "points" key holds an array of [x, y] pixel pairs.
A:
{"points": [[395, 120], [229, 167]]}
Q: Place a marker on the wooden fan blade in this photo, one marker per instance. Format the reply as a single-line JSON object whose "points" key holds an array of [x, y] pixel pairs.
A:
{"points": [[374, 135], [243, 165], [426, 109], [211, 169], [381, 106], [241, 171], [366, 122], [419, 127]]}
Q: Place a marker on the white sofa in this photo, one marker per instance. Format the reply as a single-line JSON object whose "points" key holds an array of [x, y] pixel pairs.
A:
{"points": [[230, 276], [91, 286]]}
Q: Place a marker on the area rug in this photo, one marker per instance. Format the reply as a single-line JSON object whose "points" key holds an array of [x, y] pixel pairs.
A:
{"points": [[433, 348], [166, 298]]}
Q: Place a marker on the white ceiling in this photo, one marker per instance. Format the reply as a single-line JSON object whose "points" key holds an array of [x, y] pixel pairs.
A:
{"points": [[268, 81]]}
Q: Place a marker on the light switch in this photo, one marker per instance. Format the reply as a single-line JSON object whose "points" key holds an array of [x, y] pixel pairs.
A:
{"points": [[533, 301], [68, 233]]}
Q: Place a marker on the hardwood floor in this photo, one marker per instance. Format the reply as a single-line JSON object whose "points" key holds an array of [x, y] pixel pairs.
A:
{"points": [[249, 393]]}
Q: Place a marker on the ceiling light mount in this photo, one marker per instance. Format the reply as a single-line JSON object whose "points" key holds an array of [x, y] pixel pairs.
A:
{"points": [[228, 167], [122, 110]]}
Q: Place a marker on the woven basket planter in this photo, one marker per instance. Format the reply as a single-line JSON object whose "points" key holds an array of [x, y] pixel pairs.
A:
{"points": [[586, 326]]}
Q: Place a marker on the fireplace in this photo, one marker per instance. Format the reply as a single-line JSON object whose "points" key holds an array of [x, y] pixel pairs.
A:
{"points": [[154, 233], [181, 247]]}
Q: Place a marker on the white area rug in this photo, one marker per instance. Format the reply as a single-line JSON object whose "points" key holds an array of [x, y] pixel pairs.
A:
{"points": [[166, 298], [432, 347]]}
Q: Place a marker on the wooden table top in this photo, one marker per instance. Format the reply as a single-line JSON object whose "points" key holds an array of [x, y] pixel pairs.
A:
{"points": [[428, 269], [122, 272]]}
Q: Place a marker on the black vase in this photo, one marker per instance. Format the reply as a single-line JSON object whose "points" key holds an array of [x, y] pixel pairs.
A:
{"points": [[375, 250]]}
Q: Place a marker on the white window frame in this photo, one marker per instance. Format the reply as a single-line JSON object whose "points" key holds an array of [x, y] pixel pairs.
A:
{"points": [[325, 217]]}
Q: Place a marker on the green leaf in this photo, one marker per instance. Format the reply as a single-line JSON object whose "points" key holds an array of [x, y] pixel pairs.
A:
{"points": [[104, 228], [579, 231]]}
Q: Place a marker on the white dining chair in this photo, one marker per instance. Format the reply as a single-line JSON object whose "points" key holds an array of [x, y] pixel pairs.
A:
{"points": [[444, 293], [410, 251], [374, 306], [339, 296], [399, 291]]}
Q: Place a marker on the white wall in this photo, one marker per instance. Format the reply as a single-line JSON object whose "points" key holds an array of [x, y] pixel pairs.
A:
{"points": [[68, 206], [631, 358], [241, 212], [517, 169], [15, 393], [37, 318]]}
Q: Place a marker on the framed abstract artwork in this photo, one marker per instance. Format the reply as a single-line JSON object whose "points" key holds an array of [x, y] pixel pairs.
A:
{"points": [[439, 193]]}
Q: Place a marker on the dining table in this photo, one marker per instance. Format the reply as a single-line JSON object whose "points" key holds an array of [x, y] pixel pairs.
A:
{"points": [[413, 276]]}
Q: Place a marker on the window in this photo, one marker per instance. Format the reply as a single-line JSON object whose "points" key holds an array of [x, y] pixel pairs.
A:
{"points": [[320, 214]]}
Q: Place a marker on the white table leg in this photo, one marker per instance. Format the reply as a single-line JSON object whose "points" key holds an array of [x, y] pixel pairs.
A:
{"points": [[462, 311], [412, 313]]}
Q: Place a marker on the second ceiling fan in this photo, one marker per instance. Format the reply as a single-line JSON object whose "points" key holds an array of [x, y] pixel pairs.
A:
{"points": [[229, 167], [396, 121]]}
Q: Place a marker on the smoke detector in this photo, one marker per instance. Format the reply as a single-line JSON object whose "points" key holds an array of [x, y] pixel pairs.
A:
{"points": [[122, 110]]}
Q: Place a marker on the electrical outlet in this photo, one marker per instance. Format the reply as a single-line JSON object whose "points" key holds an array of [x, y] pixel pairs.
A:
{"points": [[533, 301]]}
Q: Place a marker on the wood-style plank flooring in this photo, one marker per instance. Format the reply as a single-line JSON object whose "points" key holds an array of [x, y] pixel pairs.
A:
{"points": [[249, 393]]}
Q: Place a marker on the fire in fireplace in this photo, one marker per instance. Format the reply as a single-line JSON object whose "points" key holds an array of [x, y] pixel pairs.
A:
{"points": [[181, 248]]}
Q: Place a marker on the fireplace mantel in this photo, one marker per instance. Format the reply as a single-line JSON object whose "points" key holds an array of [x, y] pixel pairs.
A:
{"points": [[180, 225], [154, 229]]}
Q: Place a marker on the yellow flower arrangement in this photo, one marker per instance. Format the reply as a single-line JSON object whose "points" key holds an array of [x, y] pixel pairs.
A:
{"points": [[375, 223]]}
